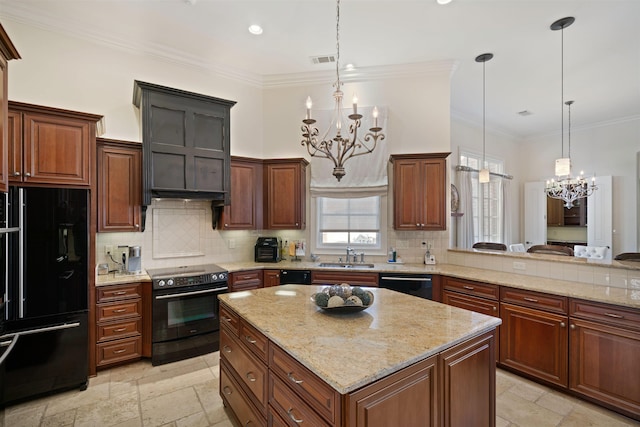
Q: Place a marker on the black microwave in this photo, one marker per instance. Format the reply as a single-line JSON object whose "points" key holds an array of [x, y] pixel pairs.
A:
{"points": [[267, 249]]}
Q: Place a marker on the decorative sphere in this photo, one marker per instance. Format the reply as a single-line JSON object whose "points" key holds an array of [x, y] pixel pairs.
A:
{"points": [[354, 300], [322, 299], [335, 301]]}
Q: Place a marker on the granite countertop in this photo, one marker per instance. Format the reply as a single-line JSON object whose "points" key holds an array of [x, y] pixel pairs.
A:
{"points": [[120, 278], [349, 351]]}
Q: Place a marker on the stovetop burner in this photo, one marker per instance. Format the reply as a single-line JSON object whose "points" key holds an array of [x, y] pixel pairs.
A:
{"points": [[191, 275]]}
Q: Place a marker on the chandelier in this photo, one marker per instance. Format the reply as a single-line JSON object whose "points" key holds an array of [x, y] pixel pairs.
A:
{"points": [[340, 147], [566, 187]]}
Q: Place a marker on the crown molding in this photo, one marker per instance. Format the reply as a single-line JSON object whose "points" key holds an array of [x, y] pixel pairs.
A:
{"points": [[588, 126], [474, 122]]}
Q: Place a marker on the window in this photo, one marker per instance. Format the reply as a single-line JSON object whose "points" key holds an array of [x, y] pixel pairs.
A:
{"points": [[486, 199], [354, 222]]}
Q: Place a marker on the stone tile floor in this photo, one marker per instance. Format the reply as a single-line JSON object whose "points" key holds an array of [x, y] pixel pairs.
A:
{"points": [[185, 394]]}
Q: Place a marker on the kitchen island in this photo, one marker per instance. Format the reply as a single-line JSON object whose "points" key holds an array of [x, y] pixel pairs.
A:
{"points": [[403, 361]]}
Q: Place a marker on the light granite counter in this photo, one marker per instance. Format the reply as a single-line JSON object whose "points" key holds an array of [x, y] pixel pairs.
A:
{"points": [[349, 351], [118, 278]]}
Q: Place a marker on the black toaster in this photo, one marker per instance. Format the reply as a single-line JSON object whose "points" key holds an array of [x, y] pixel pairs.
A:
{"points": [[268, 249]]}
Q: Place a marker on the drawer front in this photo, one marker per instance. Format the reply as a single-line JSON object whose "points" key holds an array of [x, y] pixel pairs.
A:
{"points": [[254, 340], [479, 305], [290, 406], [243, 276], [118, 351], [229, 319], [128, 328], [612, 314], [231, 391], [275, 420], [540, 301], [251, 371], [337, 277], [117, 292], [484, 290], [317, 393], [119, 310]]}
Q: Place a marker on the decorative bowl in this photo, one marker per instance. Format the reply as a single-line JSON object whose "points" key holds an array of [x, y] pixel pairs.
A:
{"points": [[343, 298]]}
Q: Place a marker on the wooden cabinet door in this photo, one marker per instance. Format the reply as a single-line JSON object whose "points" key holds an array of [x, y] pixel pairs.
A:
{"points": [[534, 342], [56, 149], [14, 147], [434, 197], [604, 364], [119, 187], [245, 210], [285, 194], [555, 212], [407, 190], [271, 278], [469, 383]]}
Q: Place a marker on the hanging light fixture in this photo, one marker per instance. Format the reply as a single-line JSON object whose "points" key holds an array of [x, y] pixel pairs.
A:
{"points": [[483, 175], [564, 186], [340, 148]]}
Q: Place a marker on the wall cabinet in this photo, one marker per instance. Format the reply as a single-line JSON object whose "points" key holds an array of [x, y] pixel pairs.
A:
{"points": [[285, 194], [50, 146], [603, 355], [7, 53], [119, 185], [245, 280], [534, 334], [419, 191], [118, 323], [245, 209], [559, 215], [338, 277]]}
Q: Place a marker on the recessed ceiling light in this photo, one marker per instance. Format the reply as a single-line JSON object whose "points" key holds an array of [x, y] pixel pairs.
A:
{"points": [[255, 29], [443, 1], [349, 67]]}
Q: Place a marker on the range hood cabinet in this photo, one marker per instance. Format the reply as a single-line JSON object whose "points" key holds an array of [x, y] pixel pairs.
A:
{"points": [[185, 144]]}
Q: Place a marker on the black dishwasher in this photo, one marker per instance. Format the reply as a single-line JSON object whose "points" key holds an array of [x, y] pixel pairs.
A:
{"points": [[295, 277], [419, 285]]}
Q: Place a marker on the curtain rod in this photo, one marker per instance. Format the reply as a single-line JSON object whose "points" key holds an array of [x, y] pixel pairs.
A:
{"points": [[468, 169]]}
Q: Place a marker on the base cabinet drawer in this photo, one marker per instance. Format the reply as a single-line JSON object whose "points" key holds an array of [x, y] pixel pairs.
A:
{"points": [[233, 396], [118, 351], [117, 330], [291, 408]]}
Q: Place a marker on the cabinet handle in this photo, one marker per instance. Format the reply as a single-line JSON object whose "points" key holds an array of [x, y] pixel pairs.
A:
{"points": [[468, 287], [615, 316], [16, 174], [249, 339], [297, 224], [122, 350], [226, 319], [248, 423], [417, 225], [136, 225], [120, 330], [421, 225], [120, 310], [495, 308], [120, 292], [530, 299], [295, 420], [27, 174], [226, 349], [562, 324], [227, 390], [292, 378], [572, 326], [251, 377]]}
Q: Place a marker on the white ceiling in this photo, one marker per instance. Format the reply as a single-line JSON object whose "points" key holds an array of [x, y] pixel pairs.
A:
{"points": [[601, 49]]}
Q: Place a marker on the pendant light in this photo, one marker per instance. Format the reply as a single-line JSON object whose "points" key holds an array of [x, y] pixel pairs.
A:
{"points": [[483, 175]]}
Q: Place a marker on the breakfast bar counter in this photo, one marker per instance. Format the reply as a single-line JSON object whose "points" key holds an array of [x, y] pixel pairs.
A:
{"points": [[412, 354]]}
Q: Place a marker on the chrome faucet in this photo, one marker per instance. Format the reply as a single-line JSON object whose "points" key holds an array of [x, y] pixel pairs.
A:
{"points": [[351, 251]]}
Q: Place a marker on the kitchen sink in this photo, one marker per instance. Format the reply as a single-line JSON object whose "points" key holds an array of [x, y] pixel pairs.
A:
{"points": [[345, 265]]}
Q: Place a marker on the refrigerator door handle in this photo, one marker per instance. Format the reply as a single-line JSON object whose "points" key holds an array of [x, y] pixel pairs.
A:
{"points": [[40, 330], [10, 344], [21, 248]]}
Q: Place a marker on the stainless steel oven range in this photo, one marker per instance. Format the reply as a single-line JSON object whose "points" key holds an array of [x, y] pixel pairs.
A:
{"points": [[185, 311]]}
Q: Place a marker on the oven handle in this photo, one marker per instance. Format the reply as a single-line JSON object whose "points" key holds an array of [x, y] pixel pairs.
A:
{"points": [[186, 294], [407, 279]]}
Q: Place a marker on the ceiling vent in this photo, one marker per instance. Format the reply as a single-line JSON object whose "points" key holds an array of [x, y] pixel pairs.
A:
{"points": [[323, 59], [525, 113]]}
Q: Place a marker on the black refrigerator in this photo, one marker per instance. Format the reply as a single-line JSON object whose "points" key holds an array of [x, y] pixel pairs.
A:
{"points": [[44, 279]]}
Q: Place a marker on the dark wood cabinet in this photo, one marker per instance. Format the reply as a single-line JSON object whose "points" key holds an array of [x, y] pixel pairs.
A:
{"points": [[419, 191], [271, 278], [338, 277], [119, 185], [8, 52], [285, 194], [604, 353], [244, 211], [555, 212], [51, 146], [245, 280], [559, 215]]}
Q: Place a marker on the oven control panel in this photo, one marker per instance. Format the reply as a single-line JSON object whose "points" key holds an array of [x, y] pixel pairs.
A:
{"points": [[185, 281]]}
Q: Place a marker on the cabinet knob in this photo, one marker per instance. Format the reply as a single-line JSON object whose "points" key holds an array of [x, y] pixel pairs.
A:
{"points": [[421, 225], [136, 225], [27, 174], [16, 174], [495, 308], [572, 326], [417, 225], [562, 324], [226, 225], [297, 224]]}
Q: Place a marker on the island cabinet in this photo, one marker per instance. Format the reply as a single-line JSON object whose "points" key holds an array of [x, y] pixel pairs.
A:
{"points": [[245, 280], [50, 145], [118, 323], [419, 191], [475, 296], [119, 185], [285, 194], [534, 334], [245, 209], [338, 277], [7, 53], [271, 278], [604, 353]]}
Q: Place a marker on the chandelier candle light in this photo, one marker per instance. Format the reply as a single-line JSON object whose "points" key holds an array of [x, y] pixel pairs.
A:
{"points": [[565, 187], [340, 148]]}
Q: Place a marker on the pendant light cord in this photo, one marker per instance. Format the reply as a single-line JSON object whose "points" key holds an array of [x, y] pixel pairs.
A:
{"points": [[484, 104], [338, 45], [562, 90]]}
